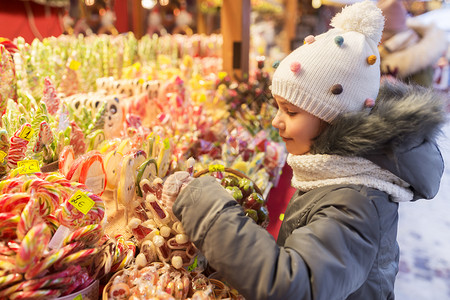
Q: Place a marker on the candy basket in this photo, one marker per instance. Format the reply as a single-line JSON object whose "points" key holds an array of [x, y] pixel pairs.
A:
{"points": [[219, 168], [235, 173], [89, 293], [108, 285]]}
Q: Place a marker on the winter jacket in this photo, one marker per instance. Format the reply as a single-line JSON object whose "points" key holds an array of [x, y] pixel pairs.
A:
{"points": [[338, 241]]}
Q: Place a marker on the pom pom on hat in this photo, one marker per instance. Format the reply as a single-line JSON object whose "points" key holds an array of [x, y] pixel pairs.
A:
{"points": [[362, 17], [339, 70]]}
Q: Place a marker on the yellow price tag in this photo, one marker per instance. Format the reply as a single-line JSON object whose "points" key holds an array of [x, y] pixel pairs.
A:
{"points": [[81, 201], [281, 217], [26, 133], [74, 65], [28, 166], [79, 297], [2, 156]]}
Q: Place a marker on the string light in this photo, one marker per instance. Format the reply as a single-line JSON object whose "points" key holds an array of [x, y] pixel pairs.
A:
{"points": [[316, 4], [163, 2], [148, 4], [89, 2]]}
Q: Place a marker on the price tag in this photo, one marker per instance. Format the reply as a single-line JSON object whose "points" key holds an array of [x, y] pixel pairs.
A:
{"points": [[74, 65], [2, 156], [81, 201], [79, 297], [28, 166], [26, 133]]}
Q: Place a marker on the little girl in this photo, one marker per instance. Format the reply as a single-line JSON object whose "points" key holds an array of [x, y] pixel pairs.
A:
{"points": [[356, 150]]}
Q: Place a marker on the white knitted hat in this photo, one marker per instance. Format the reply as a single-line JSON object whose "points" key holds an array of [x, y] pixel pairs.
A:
{"points": [[337, 71]]}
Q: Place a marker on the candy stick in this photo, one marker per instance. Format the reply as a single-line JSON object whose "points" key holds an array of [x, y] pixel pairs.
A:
{"points": [[9, 290], [88, 235], [32, 247], [99, 119], [40, 116], [38, 284], [10, 279], [37, 295], [50, 260], [77, 258], [28, 218]]}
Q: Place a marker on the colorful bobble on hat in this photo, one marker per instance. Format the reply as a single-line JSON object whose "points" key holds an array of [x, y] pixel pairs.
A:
{"points": [[309, 39], [371, 59], [339, 40], [275, 64], [295, 66], [336, 89], [369, 103]]}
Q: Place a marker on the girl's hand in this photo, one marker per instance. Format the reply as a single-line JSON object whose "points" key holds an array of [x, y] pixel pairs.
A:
{"points": [[173, 186]]}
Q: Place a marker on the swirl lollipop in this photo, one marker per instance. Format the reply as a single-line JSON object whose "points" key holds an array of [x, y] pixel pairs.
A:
{"points": [[19, 143], [50, 97]]}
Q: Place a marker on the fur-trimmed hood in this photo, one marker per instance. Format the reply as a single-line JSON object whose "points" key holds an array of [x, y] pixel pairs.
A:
{"points": [[398, 134], [426, 52]]}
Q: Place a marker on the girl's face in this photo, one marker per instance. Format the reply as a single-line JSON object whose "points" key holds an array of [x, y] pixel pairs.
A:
{"points": [[296, 127]]}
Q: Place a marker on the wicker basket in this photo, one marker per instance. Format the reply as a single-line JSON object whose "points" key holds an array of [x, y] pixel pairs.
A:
{"points": [[220, 168], [236, 173], [108, 285]]}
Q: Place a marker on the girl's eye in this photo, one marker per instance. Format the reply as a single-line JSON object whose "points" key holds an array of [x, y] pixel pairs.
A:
{"points": [[291, 113]]}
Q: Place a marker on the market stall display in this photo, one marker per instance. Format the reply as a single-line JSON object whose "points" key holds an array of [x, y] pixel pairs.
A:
{"points": [[107, 145]]}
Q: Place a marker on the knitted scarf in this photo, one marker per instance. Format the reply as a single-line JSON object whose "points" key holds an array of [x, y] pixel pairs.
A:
{"points": [[313, 171]]}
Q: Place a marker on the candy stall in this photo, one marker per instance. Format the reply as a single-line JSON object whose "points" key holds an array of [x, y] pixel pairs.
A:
{"points": [[91, 128]]}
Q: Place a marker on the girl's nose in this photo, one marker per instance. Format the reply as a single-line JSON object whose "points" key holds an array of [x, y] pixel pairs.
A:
{"points": [[278, 123]]}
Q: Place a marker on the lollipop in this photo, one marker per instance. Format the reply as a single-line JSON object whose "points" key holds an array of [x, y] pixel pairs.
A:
{"points": [[77, 139], [50, 97], [8, 225], [19, 144], [45, 137], [32, 247], [66, 159], [70, 216], [13, 202]]}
